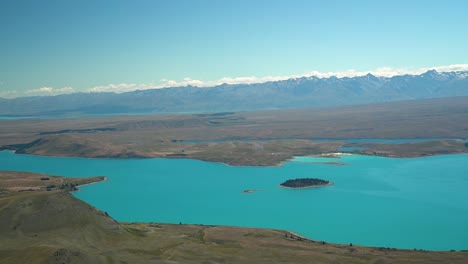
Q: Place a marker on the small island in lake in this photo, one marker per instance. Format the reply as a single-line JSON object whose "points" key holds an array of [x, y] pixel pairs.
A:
{"points": [[305, 183]]}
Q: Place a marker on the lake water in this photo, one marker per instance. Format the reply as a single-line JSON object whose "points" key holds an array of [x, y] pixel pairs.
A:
{"points": [[90, 115], [375, 201], [346, 140], [384, 140], [351, 149], [14, 117]]}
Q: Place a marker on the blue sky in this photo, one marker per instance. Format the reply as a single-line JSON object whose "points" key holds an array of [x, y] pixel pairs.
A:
{"points": [[55, 46]]}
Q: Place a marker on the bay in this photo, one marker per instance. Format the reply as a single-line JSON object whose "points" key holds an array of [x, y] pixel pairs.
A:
{"points": [[375, 201]]}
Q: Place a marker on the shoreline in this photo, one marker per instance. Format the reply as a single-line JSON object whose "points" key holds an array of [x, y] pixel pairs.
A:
{"points": [[104, 178], [81, 185], [279, 164], [329, 163]]}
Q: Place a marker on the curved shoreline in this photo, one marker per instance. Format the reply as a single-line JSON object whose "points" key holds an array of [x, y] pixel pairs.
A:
{"points": [[103, 180], [253, 164], [330, 183]]}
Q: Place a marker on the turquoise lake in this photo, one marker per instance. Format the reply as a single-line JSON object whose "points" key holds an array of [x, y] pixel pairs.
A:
{"points": [[404, 203]]}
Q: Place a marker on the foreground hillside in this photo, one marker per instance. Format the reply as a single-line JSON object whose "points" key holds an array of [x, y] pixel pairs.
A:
{"points": [[55, 227]]}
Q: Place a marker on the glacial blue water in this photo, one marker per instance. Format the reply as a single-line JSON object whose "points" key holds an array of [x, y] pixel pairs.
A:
{"points": [[404, 203], [347, 140], [90, 115], [383, 140], [352, 149], [14, 117]]}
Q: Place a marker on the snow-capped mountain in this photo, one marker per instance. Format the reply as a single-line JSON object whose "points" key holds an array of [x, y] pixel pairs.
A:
{"points": [[292, 93]]}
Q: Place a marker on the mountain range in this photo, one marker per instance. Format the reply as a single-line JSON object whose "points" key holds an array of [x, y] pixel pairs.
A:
{"points": [[292, 93]]}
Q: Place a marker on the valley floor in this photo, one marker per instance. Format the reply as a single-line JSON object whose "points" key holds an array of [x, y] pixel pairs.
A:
{"points": [[256, 138]]}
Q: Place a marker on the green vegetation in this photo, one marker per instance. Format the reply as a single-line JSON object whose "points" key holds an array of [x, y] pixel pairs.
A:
{"points": [[305, 183], [55, 227]]}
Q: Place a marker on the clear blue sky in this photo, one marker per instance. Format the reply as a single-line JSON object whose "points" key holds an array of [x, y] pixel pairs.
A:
{"points": [[84, 43]]}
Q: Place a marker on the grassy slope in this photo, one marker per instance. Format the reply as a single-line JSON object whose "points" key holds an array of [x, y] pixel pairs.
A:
{"points": [[55, 227], [38, 227], [11, 181], [418, 149]]}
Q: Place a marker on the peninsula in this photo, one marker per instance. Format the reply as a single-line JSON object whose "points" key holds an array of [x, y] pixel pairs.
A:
{"points": [[251, 138]]}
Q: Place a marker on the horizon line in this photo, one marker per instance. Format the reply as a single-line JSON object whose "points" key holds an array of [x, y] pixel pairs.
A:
{"points": [[382, 72]]}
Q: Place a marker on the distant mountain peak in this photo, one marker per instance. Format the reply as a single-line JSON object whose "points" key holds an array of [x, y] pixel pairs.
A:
{"points": [[291, 93], [461, 74], [435, 75], [431, 73], [370, 76]]}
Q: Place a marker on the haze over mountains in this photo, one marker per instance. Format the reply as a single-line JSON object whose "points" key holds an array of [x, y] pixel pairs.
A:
{"points": [[292, 93]]}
